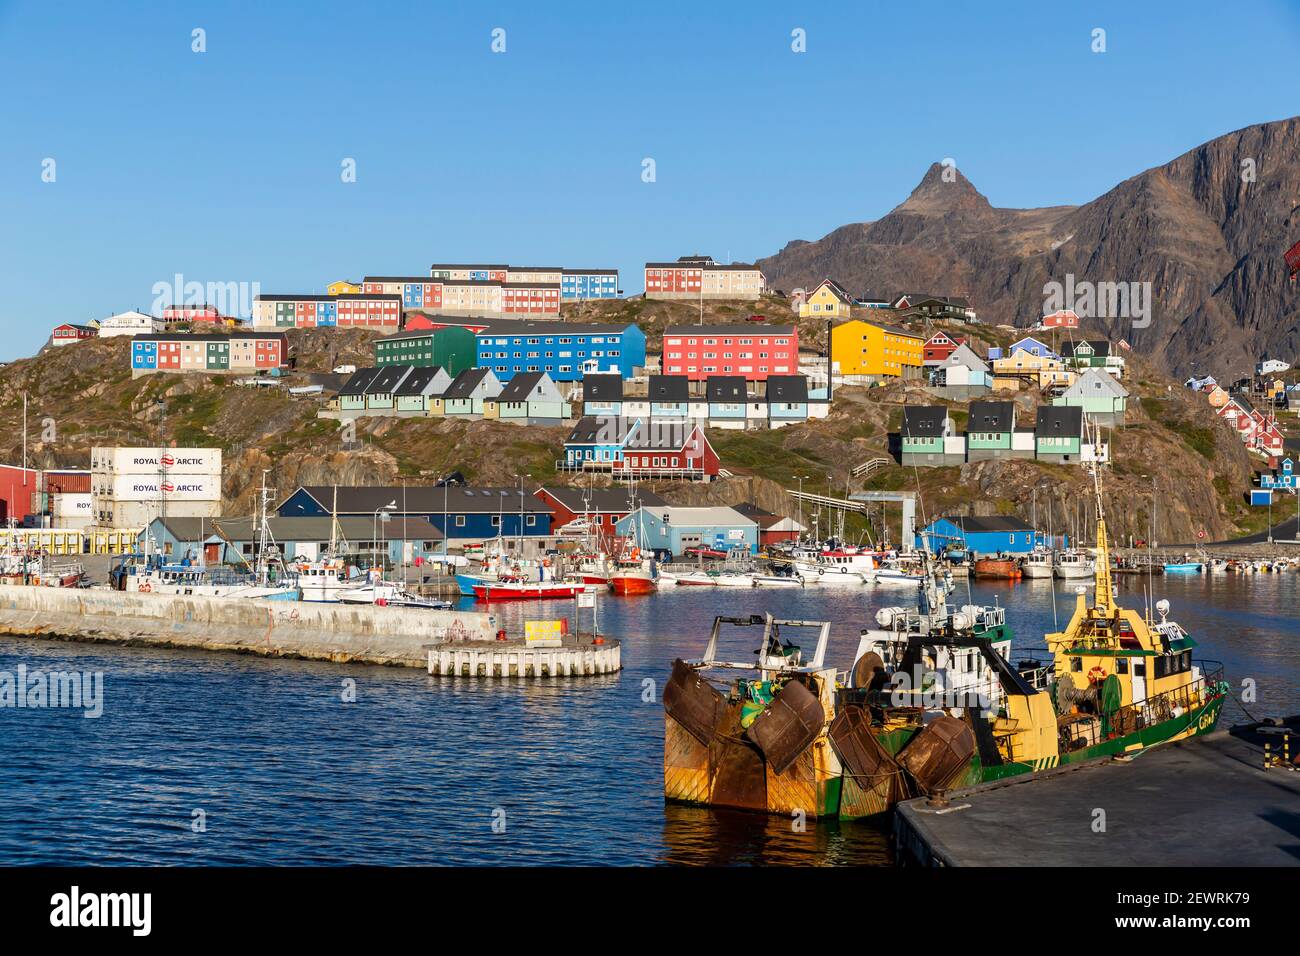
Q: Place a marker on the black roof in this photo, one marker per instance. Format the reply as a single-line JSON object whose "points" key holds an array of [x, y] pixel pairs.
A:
{"points": [[422, 499], [520, 387], [389, 377], [726, 388], [361, 378], [601, 500], [970, 523], [604, 430], [602, 388], [787, 388], [1059, 420], [1098, 346], [924, 421], [463, 385], [991, 417], [420, 377], [669, 388]]}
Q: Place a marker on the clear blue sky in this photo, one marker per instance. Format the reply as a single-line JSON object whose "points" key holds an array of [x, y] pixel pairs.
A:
{"points": [[225, 166]]}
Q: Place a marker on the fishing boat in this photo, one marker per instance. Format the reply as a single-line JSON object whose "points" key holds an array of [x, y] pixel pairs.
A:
{"points": [[779, 581], [1000, 568], [834, 575], [898, 571], [200, 581], [635, 570], [1184, 567], [514, 589], [931, 704], [1037, 564], [1071, 563]]}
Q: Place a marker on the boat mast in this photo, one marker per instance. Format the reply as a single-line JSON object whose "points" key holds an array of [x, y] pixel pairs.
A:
{"points": [[1104, 599]]}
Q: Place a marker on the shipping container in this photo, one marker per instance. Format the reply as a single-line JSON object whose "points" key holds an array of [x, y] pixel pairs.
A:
{"points": [[151, 487], [150, 461]]}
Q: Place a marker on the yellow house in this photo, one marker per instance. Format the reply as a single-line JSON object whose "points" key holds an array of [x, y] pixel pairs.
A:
{"points": [[343, 287], [1023, 366], [828, 300], [870, 349]]}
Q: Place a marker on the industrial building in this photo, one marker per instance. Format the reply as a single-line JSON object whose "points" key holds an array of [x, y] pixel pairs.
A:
{"points": [[130, 487]]}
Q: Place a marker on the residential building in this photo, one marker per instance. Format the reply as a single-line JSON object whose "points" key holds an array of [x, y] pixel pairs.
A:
{"points": [[1103, 399], [935, 308], [727, 396], [1060, 319], [352, 396], [579, 285], [700, 277], [566, 351], [379, 397], [938, 347], [928, 437], [195, 313], [828, 300], [451, 348], [371, 311], [669, 399], [530, 398], [468, 392], [992, 535], [1284, 477], [1096, 353], [699, 351], [602, 396], [991, 433], [1058, 433], [344, 287], [67, 333], [962, 375], [1268, 366], [789, 401], [129, 323], [632, 448], [873, 352], [1023, 367], [218, 353], [419, 388], [672, 530]]}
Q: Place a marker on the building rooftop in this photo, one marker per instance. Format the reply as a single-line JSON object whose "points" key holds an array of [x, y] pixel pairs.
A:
{"points": [[602, 388]]}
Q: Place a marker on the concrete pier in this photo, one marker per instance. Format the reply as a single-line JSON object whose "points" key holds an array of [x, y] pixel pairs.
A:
{"points": [[298, 629], [577, 657], [1207, 801]]}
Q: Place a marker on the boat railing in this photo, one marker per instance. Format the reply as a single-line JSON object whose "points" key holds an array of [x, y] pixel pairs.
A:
{"points": [[1170, 703]]}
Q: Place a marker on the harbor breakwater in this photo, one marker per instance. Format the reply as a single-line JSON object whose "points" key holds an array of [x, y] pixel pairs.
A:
{"points": [[293, 629]]}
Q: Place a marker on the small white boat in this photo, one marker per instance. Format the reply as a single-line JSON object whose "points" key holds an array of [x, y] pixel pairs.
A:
{"points": [[1037, 564], [779, 581], [1071, 564], [843, 575]]}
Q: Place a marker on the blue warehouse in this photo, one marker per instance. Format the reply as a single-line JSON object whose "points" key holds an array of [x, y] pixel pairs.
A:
{"points": [[996, 534]]}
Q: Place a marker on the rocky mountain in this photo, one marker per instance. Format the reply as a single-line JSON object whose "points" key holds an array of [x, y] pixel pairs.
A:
{"points": [[1207, 232]]}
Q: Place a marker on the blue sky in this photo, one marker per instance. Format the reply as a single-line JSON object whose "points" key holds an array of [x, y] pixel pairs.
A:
{"points": [[224, 166]]}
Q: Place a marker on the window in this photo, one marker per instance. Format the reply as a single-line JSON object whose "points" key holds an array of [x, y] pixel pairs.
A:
{"points": [[460, 521]]}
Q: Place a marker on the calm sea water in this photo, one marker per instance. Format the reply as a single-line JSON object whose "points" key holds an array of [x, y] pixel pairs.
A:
{"points": [[417, 770]]}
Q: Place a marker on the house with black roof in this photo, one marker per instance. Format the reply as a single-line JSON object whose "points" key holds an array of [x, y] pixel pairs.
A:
{"points": [[467, 393], [927, 437], [602, 394], [424, 383], [529, 398], [352, 396], [991, 432], [379, 393], [1058, 433]]}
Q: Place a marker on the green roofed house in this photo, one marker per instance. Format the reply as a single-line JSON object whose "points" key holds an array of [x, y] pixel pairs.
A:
{"points": [[1101, 396], [452, 348]]}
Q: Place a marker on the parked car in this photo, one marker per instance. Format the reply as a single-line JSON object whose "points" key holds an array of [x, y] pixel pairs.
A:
{"points": [[757, 318]]}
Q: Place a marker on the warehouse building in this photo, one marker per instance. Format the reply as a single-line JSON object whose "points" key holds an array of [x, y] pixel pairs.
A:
{"points": [[674, 530]]}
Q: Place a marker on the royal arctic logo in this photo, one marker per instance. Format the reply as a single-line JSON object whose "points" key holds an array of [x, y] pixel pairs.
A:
{"points": [[168, 487], [168, 461]]}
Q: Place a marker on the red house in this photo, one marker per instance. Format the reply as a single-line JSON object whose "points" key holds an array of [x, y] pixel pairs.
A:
{"points": [[601, 507], [938, 347], [524, 298], [1061, 319], [192, 313], [651, 452], [67, 333], [698, 351]]}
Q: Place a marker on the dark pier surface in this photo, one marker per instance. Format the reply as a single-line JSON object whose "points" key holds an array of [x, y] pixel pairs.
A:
{"points": [[1206, 801]]}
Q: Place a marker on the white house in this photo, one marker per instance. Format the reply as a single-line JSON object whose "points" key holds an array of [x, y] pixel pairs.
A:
{"points": [[1269, 366], [130, 323]]}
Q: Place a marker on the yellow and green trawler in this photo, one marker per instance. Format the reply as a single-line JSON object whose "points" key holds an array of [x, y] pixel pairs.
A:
{"points": [[931, 703]]}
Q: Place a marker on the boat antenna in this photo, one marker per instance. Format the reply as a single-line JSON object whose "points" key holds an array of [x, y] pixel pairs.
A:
{"points": [[1104, 598]]}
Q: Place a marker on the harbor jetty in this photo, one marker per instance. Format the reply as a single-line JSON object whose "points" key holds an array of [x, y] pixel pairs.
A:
{"points": [[1228, 798], [341, 633], [580, 655]]}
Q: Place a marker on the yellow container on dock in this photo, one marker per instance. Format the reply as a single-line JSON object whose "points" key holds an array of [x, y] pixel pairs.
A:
{"points": [[545, 633]]}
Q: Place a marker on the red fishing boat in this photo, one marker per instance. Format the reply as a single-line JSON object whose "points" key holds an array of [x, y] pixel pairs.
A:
{"points": [[514, 589]]}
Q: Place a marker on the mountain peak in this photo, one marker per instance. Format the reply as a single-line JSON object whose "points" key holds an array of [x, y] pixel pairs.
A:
{"points": [[942, 190]]}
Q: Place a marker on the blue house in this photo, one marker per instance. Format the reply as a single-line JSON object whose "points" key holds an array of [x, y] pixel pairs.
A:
{"points": [[1032, 346], [996, 534], [579, 284], [602, 395], [679, 530], [728, 396], [144, 354], [670, 397], [566, 351], [598, 441], [459, 513], [1284, 477]]}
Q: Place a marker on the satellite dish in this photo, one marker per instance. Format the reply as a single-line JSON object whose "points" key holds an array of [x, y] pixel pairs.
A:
{"points": [[1162, 607]]}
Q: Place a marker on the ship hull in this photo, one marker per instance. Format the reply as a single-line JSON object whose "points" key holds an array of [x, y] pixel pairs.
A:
{"points": [[631, 584]]}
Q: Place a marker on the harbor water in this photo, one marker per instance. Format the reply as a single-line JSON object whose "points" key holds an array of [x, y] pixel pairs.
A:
{"points": [[212, 759]]}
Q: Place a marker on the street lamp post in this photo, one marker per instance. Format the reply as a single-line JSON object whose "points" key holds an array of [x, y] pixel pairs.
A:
{"points": [[374, 527]]}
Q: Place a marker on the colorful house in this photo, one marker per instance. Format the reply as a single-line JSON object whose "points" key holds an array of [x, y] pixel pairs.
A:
{"points": [[529, 399], [727, 396], [700, 277], [566, 351], [344, 287], [352, 396], [579, 285], [789, 401], [422, 385], [191, 313], [1283, 478], [1095, 353], [928, 437], [670, 398], [1026, 367], [938, 347], [772, 528], [451, 348], [1103, 399], [828, 300], [596, 510], [214, 353], [699, 351], [602, 396], [962, 374], [1058, 433], [468, 392], [995, 534], [370, 311], [1060, 319], [991, 430], [870, 351], [631, 448], [67, 333], [674, 530]]}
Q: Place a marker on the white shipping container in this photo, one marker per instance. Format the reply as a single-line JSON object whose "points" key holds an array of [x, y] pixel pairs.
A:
{"points": [[150, 461], [67, 504], [138, 514], [152, 488]]}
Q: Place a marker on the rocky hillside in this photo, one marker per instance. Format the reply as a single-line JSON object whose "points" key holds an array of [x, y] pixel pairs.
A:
{"points": [[1207, 230], [82, 395]]}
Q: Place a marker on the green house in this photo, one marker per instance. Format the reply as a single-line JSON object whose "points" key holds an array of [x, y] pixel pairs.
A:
{"points": [[453, 349], [1058, 433], [352, 396], [926, 437], [218, 355], [989, 430], [1100, 395]]}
